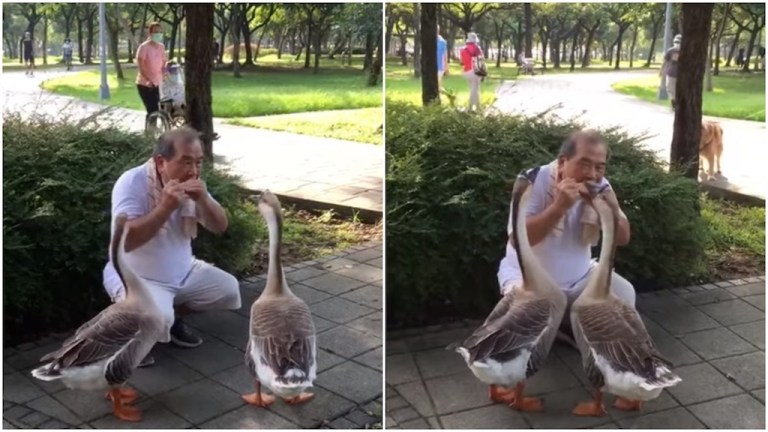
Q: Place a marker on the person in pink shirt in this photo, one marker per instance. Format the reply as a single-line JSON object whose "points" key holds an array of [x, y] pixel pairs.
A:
{"points": [[151, 59], [468, 53]]}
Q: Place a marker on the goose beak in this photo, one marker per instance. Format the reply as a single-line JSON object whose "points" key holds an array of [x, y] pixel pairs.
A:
{"points": [[255, 198]]}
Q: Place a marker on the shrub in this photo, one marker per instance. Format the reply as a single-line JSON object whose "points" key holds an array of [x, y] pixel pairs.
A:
{"points": [[57, 184], [449, 178]]}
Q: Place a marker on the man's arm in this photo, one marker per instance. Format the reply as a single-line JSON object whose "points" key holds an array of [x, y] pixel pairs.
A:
{"points": [[145, 227], [213, 214], [540, 225]]}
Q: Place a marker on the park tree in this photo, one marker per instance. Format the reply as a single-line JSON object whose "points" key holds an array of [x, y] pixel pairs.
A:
{"points": [[684, 154], [199, 37], [755, 13], [465, 15], [654, 20], [430, 93], [528, 18]]}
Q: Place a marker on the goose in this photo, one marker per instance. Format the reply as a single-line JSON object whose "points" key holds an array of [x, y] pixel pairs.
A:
{"points": [[281, 352], [617, 353], [514, 340], [104, 352]]}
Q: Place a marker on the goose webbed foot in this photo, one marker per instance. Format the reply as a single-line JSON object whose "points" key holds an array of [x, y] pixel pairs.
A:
{"points": [[303, 397], [523, 403], [594, 408], [258, 398], [120, 407], [627, 405], [500, 395], [126, 395]]}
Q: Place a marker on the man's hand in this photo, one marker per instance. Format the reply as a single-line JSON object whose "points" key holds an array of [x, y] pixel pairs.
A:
{"points": [[568, 192], [173, 195], [195, 189]]}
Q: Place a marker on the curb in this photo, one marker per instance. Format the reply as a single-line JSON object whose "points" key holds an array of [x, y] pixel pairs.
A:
{"points": [[731, 193], [367, 216]]}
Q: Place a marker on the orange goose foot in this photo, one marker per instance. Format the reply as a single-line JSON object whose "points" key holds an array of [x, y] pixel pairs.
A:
{"points": [[594, 408], [120, 408], [258, 398], [304, 397], [127, 395], [627, 405], [522, 403], [499, 395]]}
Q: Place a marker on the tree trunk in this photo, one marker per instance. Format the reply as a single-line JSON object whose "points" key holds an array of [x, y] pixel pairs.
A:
{"points": [[652, 51], [430, 93], [632, 48], [247, 42], [172, 47], [403, 51], [308, 44], [235, 30], [573, 50], [378, 63], [113, 35], [733, 47], [197, 73], [369, 48], [708, 87], [417, 42], [588, 45], [684, 154], [45, 39], [527, 11], [89, 39], [751, 46], [618, 47], [318, 39], [80, 40], [719, 38]]}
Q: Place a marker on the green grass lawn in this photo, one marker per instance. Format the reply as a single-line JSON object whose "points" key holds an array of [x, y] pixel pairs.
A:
{"points": [[54, 62], [735, 240], [361, 125], [262, 91], [735, 95]]}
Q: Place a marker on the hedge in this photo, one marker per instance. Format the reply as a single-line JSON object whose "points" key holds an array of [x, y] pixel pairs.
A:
{"points": [[57, 184]]}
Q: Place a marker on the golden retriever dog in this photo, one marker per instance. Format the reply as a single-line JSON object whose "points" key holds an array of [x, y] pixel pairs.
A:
{"points": [[710, 148]]}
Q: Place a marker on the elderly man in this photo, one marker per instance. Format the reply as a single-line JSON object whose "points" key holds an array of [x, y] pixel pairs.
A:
{"points": [[562, 228], [165, 199]]}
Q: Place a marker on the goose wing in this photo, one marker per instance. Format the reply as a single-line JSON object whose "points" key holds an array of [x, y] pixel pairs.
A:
{"points": [[615, 332], [517, 322], [285, 334], [117, 334]]}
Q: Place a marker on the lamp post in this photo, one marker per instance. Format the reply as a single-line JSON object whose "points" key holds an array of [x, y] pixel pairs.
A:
{"points": [[662, 95], [104, 88]]}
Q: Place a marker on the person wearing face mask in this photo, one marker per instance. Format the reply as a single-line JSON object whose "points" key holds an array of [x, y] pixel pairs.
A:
{"points": [[28, 49], [562, 228], [66, 52], [151, 59], [165, 200]]}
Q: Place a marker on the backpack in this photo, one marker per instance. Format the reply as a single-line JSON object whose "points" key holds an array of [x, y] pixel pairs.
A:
{"points": [[478, 62]]}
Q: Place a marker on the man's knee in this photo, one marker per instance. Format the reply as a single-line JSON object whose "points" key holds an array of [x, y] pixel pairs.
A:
{"points": [[623, 289], [230, 291]]}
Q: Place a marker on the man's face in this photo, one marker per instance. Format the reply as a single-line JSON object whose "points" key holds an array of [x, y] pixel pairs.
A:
{"points": [[185, 164], [27, 36], [587, 165]]}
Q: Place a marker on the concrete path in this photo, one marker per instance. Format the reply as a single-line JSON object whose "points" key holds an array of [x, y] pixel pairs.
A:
{"points": [[590, 95], [329, 171], [201, 387], [714, 334]]}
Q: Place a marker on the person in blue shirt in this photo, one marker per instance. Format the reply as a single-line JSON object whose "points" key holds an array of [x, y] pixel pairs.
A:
{"points": [[442, 58]]}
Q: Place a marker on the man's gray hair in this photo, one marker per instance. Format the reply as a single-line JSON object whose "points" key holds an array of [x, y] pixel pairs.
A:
{"points": [[472, 37], [166, 144], [589, 136]]}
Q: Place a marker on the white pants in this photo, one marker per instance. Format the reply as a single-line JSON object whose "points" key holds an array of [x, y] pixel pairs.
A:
{"points": [[671, 87], [620, 287], [474, 89], [204, 288]]}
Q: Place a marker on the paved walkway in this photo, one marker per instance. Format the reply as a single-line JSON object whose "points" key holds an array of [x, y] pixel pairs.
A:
{"points": [[201, 387], [325, 170], [714, 334], [591, 95]]}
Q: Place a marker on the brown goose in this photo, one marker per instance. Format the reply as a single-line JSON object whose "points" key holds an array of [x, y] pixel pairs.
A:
{"points": [[617, 353], [516, 337], [281, 352], [106, 350]]}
